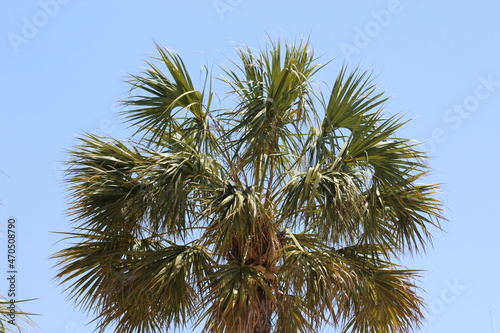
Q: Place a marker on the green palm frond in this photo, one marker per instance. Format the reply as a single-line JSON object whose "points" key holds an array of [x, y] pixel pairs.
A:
{"points": [[136, 284], [275, 99], [293, 316], [235, 290], [284, 212], [329, 202], [169, 105], [135, 187], [316, 277], [353, 103], [384, 300], [235, 216]]}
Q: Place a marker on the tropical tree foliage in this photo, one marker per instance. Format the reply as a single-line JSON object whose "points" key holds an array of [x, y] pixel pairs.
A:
{"points": [[12, 319], [280, 209]]}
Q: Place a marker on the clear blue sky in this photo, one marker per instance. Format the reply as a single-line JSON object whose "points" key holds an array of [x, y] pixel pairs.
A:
{"points": [[62, 68]]}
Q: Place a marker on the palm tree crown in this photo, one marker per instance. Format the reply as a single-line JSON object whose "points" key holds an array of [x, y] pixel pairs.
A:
{"points": [[283, 212]]}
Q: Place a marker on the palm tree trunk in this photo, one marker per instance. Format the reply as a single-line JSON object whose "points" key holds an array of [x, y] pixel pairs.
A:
{"points": [[263, 314]]}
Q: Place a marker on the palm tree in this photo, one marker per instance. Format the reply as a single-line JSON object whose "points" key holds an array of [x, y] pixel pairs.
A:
{"points": [[283, 211]]}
